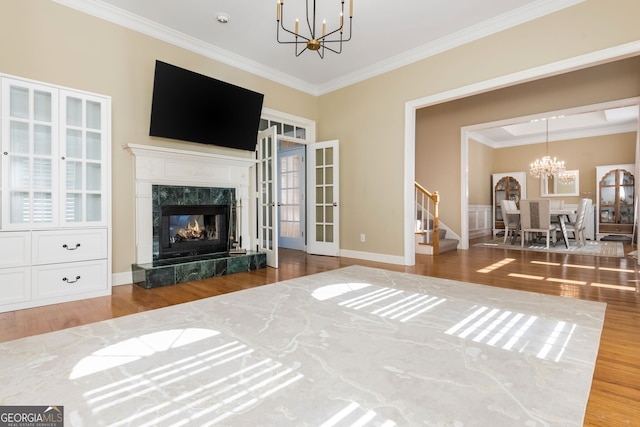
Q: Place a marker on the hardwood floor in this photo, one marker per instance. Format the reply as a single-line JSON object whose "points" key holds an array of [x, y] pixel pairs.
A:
{"points": [[615, 393]]}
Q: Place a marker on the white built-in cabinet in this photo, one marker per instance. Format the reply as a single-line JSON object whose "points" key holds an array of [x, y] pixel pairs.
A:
{"points": [[55, 217]]}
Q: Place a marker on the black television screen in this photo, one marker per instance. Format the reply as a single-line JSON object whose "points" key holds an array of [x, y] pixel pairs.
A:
{"points": [[192, 107]]}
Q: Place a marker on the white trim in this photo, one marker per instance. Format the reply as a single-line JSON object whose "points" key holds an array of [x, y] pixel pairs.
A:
{"points": [[486, 28], [157, 166], [494, 25], [370, 256], [290, 119], [139, 24], [583, 61], [124, 278]]}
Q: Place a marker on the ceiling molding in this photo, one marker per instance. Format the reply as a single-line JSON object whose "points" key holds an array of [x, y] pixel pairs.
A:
{"points": [[136, 23], [555, 136], [467, 35]]}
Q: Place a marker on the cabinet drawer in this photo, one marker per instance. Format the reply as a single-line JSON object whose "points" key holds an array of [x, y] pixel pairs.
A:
{"points": [[51, 247], [15, 249], [616, 228], [67, 279], [15, 285]]}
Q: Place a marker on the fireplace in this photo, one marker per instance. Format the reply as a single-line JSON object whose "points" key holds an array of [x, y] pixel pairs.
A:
{"points": [[193, 230], [170, 177], [190, 221]]}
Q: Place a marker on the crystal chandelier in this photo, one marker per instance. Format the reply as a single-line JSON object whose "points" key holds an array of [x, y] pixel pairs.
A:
{"points": [[315, 40], [546, 167]]}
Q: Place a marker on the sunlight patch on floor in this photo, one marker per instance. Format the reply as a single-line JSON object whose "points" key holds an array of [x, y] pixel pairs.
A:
{"points": [[604, 285], [496, 265]]}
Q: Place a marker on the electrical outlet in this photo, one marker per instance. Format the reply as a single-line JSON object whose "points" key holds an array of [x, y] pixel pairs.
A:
{"points": [[362, 238]]}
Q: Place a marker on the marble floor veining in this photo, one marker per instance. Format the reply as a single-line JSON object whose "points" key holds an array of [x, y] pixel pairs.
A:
{"points": [[351, 347]]}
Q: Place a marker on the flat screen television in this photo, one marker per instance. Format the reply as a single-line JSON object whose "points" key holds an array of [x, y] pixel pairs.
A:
{"points": [[189, 106]]}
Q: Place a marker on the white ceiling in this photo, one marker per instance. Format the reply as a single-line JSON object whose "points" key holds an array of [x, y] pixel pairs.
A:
{"points": [[601, 120], [386, 34]]}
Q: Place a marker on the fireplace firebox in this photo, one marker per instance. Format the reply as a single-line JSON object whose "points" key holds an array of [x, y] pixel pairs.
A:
{"points": [[190, 230]]}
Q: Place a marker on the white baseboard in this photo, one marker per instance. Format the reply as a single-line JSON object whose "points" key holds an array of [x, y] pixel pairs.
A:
{"points": [[369, 256], [125, 278]]}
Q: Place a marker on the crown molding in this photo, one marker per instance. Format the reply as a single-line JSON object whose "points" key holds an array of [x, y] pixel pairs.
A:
{"points": [[136, 23], [483, 29], [499, 23]]}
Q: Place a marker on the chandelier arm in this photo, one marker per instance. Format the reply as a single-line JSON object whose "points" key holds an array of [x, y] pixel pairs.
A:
{"points": [[281, 25], [331, 49], [300, 53], [312, 43]]}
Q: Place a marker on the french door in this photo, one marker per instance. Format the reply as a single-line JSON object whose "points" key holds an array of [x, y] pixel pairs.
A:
{"points": [[323, 237], [267, 195], [291, 200]]}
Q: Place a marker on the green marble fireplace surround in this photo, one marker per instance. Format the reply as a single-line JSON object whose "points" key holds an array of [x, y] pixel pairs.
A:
{"points": [[163, 272]]}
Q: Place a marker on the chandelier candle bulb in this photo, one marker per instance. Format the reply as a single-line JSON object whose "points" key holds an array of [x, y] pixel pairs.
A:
{"points": [[350, 8], [310, 37]]}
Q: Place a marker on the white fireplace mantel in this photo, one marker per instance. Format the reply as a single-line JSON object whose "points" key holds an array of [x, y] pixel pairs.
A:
{"points": [[168, 166]]}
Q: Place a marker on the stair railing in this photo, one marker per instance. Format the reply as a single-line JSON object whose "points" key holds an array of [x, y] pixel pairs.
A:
{"points": [[426, 208]]}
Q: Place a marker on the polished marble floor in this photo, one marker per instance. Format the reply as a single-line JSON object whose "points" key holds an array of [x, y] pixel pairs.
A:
{"points": [[350, 347]]}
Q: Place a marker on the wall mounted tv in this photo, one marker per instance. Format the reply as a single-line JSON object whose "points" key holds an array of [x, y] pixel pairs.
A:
{"points": [[188, 106]]}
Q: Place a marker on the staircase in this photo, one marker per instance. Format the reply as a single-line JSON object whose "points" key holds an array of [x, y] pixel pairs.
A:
{"points": [[431, 238]]}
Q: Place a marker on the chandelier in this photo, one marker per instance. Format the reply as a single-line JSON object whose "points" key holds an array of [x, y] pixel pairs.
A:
{"points": [[314, 40], [546, 167]]}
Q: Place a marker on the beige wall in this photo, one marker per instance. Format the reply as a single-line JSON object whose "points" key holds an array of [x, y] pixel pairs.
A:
{"points": [[582, 154], [45, 41], [442, 123], [368, 117], [482, 156]]}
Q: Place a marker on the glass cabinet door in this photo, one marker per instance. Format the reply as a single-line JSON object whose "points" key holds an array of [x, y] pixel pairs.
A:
{"points": [[29, 138], [616, 202], [83, 154]]}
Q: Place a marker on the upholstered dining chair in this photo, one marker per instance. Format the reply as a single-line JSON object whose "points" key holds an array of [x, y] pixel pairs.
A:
{"points": [[535, 217], [577, 227], [510, 220], [556, 204]]}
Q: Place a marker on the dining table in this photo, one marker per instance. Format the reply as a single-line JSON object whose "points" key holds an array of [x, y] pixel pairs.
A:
{"points": [[561, 213]]}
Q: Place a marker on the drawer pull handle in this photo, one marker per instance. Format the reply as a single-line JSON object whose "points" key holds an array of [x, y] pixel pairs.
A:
{"points": [[71, 249], [64, 279]]}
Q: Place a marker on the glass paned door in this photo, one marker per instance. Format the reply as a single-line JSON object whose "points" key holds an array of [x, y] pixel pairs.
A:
{"points": [[323, 191], [28, 163], [83, 155], [291, 202], [267, 187]]}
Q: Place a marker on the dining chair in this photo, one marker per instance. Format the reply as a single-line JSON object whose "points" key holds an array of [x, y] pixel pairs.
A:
{"points": [[535, 217], [555, 204], [578, 226], [510, 220]]}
